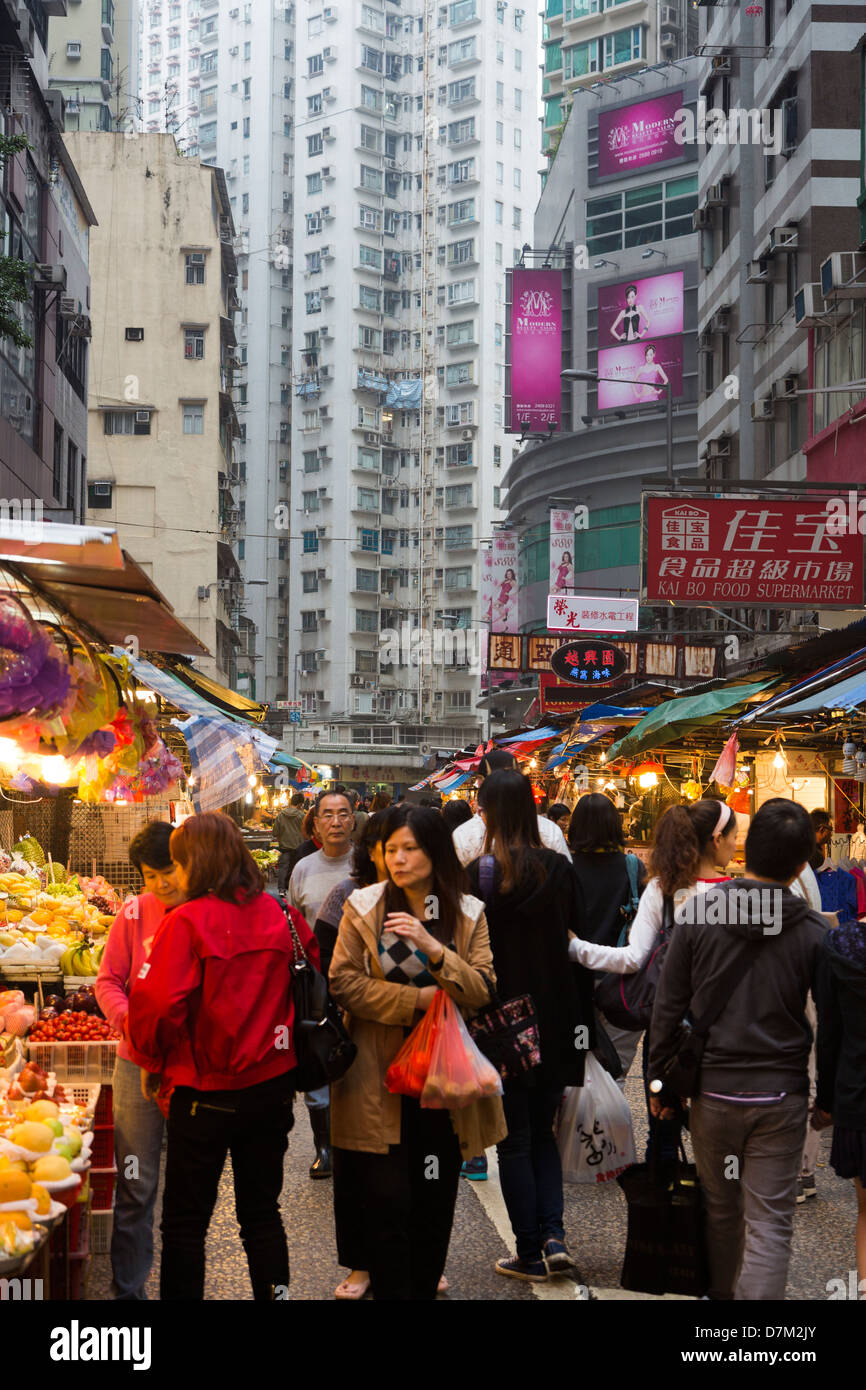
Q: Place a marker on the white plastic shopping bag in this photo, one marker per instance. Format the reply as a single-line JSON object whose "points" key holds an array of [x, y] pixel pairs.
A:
{"points": [[596, 1140]]}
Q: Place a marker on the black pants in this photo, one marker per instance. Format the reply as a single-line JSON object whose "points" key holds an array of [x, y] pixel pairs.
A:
{"points": [[203, 1126], [394, 1211], [285, 864]]}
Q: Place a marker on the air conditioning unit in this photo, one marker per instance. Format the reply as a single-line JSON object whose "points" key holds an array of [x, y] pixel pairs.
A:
{"points": [[387, 439], [225, 484], [324, 373], [809, 306], [324, 331], [327, 253], [702, 219], [721, 320], [73, 49], [763, 409], [329, 14], [326, 292], [68, 306], [324, 412], [203, 593], [142, 416], [391, 164], [784, 238], [100, 489], [73, 106], [705, 341], [843, 276], [669, 16], [322, 531], [759, 273], [719, 448], [357, 682], [789, 386], [721, 63], [371, 437], [328, 133], [45, 276], [329, 94], [233, 14], [329, 55], [717, 194], [328, 174], [326, 215], [468, 434]]}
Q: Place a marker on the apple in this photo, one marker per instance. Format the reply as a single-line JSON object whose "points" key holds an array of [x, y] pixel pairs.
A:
{"points": [[72, 1138], [65, 1150]]}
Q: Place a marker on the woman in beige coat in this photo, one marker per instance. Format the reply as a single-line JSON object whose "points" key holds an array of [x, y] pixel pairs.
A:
{"points": [[396, 1165]]}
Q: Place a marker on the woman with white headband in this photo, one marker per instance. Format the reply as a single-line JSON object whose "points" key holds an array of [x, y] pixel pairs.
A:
{"points": [[692, 846]]}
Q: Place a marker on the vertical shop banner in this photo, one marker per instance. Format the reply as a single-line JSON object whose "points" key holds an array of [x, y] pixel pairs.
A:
{"points": [[536, 349], [499, 579], [639, 135], [561, 551]]}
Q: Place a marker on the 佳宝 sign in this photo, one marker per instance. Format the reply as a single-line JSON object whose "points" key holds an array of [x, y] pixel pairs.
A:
{"points": [[754, 553], [588, 663]]}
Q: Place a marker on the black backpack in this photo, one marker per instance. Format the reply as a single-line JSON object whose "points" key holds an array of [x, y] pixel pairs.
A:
{"points": [[627, 1000]]}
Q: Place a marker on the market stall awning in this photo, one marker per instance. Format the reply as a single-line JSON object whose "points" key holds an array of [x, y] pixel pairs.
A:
{"points": [[608, 713], [674, 718], [844, 695], [112, 602], [229, 701], [281, 759], [819, 680], [53, 542]]}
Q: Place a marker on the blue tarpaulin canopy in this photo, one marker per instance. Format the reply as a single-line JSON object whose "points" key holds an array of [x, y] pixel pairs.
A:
{"points": [[847, 695], [405, 393], [372, 381]]}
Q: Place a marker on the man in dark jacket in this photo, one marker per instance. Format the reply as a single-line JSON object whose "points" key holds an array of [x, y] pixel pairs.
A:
{"points": [[289, 834], [749, 1120]]}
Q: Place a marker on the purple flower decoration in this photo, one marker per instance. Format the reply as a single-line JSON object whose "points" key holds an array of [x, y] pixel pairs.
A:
{"points": [[34, 676]]}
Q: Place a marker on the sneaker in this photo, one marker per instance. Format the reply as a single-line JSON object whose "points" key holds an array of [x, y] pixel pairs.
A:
{"points": [[556, 1257], [475, 1169], [806, 1187], [533, 1271]]}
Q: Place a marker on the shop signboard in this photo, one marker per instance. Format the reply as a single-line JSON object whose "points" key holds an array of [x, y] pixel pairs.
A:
{"points": [[588, 663], [635, 137], [561, 550], [588, 613], [748, 553], [536, 350], [499, 582]]}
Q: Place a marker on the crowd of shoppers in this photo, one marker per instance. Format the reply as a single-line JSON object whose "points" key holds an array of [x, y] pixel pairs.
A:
{"points": [[196, 975]]}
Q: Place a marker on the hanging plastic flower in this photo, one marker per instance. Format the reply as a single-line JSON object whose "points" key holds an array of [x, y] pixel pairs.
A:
{"points": [[34, 675]]}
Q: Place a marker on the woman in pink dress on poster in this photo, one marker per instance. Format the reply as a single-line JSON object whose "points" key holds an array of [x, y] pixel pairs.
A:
{"points": [[652, 376], [564, 575], [503, 601]]}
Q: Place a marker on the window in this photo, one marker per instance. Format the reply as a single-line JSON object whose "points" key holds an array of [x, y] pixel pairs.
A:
{"points": [[122, 422], [248, 48], [461, 91], [314, 262], [459, 333], [368, 539], [459, 456], [462, 12], [314, 183], [207, 133], [371, 218], [314, 223], [500, 94], [309, 620], [518, 60], [641, 216], [209, 62], [461, 414], [313, 301], [372, 58], [310, 501], [461, 171], [371, 139], [499, 207], [195, 264], [500, 133], [515, 219], [369, 299], [315, 65], [193, 343], [624, 46], [314, 105], [498, 251], [518, 138], [310, 542], [310, 581], [458, 579], [312, 462], [368, 459], [460, 252], [371, 98], [246, 128], [461, 132], [370, 338], [459, 374], [459, 496], [461, 51], [581, 59], [461, 291], [367, 580], [371, 178], [314, 26], [315, 144], [370, 257], [463, 211], [193, 419]]}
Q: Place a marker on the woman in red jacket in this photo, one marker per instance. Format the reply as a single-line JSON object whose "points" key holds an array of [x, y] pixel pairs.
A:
{"points": [[210, 1019]]}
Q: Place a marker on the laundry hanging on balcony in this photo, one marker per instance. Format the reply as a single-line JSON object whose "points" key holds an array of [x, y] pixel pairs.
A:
{"points": [[405, 393], [372, 381], [308, 387]]}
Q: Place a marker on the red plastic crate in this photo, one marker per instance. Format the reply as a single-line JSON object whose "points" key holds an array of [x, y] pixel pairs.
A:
{"points": [[102, 1152], [104, 1113], [102, 1188]]}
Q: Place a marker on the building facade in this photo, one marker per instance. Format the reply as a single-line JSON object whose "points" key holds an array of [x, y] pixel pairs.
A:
{"points": [[46, 223], [161, 468], [414, 187], [93, 62]]}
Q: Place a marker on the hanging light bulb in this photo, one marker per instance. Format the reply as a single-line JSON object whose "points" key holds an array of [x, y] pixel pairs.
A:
{"points": [[861, 764], [603, 758], [55, 770], [779, 762], [252, 779], [10, 754], [849, 750]]}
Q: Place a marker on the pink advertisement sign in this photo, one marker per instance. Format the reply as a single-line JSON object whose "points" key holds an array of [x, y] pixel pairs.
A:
{"points": [[536, 349], [639, 135], [636, 373], [561, 551], [633, 310], [499, 586]]}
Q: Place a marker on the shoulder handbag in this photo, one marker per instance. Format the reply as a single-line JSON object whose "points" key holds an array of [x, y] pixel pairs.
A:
{"points": [[627, 1000], [506, 1031], [323, 1048], [681, 1068], [666, 1243]]}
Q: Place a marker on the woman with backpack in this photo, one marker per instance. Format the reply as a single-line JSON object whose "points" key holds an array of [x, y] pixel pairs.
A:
{"points": [[532, 905], [611, 882], [692, 846]]}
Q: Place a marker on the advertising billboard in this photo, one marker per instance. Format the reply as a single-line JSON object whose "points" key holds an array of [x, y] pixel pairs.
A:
{"points": [[536, 349], [747, 552], [636, 373], [633, 310], [499, 583], [637, 136], [561, 551]]}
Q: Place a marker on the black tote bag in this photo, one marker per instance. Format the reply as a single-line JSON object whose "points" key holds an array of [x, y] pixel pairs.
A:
{"points": [[666, 1244]]}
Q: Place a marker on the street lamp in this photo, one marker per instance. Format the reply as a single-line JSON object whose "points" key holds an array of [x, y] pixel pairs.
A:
{"points": [[581, 374]]}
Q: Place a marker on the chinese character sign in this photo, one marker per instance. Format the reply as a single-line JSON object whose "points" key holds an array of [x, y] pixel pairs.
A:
{"points": [[505, 651], [561, 551], [588, 663], [499, 583], [541, 649], [577, 613], [757, 554], [536, 349], [639, 135]]}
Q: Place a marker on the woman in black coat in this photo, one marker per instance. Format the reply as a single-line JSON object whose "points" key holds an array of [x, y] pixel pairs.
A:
{"points": [[532, 906]]}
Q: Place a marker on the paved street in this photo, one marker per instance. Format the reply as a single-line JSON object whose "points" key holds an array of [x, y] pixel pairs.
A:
{"points": [[595, 1227]]}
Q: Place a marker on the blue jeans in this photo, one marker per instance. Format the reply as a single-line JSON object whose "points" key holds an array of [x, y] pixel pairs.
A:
{"points": [[530, 1170], [138, 1131]]}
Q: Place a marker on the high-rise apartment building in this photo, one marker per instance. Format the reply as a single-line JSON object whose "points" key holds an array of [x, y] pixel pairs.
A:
{"points": [[415, 186], [592, 41], [221, 78], [93, 61]]}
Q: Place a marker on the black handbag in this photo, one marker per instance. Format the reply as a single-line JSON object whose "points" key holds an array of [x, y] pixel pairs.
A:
{"points": [[506, 1031], [680, 1070], [627, 1000], [665, 1248], [323, 1048], [605, 1053]]}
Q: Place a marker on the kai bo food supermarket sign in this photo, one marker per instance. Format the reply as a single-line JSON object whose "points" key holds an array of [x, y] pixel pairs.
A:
{"points": [[756, 553]]}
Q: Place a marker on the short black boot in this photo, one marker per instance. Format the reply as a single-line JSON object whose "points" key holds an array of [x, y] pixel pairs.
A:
{"points": [[320, 1122]]}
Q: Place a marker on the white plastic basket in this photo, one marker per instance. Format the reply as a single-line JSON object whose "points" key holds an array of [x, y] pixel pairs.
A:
{"points": [[75, 1061], [101, 1227]]}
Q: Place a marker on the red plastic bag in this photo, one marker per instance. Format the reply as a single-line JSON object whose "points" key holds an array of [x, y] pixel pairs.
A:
{"points": [[458, 1073], [408, 1071]]}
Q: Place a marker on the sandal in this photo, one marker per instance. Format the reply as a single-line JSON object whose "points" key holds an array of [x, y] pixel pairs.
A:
{"points": [[352, 1289], [442, 1286]]}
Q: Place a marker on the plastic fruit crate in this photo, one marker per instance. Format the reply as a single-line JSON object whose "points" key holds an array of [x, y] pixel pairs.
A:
{"points": [[104, 1111], [102, 1152], [75, 1061], [88, 1096], [101, 1227], [102, 1188]]}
